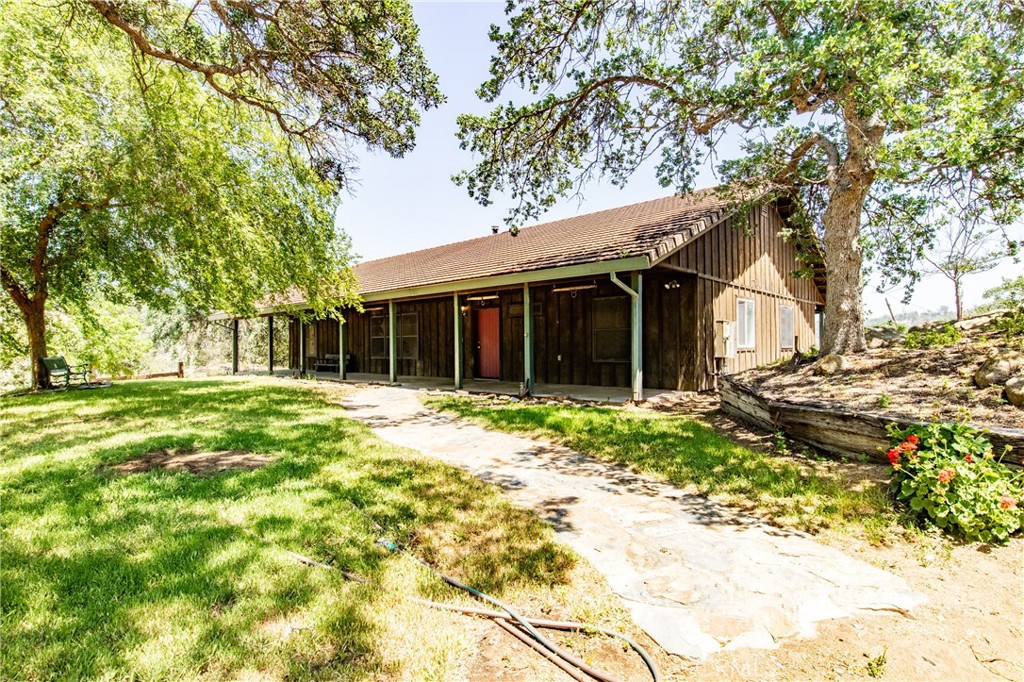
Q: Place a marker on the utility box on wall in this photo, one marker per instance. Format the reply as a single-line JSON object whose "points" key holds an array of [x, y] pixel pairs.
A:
{"points": [[725, 339]]}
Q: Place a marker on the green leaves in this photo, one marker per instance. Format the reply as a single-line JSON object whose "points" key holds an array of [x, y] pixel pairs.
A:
{"points": [[153, 186], [328, 73], [947, 475], [902, 97]]}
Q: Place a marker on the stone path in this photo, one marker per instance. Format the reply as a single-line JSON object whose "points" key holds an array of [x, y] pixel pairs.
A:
{"points": [[697, 577]]}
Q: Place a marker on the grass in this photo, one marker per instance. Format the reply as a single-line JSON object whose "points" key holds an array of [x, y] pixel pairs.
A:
{"points": [[169, 575], [691, 454]]}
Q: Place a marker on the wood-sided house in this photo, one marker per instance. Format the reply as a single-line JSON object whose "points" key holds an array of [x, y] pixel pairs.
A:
{"points": [[631, 297]]}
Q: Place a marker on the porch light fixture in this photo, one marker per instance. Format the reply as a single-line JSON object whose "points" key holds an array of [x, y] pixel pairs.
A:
{"points": [[574, 289], [672, 285]]}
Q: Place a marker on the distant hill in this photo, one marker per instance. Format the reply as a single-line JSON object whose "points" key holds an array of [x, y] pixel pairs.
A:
{"points": [[913, 318]]}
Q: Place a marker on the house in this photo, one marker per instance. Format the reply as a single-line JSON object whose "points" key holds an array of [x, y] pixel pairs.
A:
{"points": [[661, 294]]}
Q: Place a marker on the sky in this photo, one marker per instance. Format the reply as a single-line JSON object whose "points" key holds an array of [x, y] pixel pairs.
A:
{"points": [[406, 204]]}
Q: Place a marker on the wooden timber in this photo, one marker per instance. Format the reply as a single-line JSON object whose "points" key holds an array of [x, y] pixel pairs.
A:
{"points": [[845, 433], [683, 295]]}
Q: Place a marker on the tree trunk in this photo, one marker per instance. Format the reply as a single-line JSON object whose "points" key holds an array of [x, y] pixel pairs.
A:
{"points": [[844, 309], [848, 185], [35, 323], [958, 299]]}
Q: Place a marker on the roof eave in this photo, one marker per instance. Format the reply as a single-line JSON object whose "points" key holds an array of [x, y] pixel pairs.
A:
{"points": [[463, 285], [526, 277]]}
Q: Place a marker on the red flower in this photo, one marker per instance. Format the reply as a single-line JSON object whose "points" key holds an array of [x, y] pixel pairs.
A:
{"points": [[894, 457], [1007, 502], [946, 475], [913, 439], [969, 458], [908, 447]]}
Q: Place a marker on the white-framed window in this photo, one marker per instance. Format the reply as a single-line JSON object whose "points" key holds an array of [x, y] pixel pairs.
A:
{"points": [[787, 327], [744, 323]]}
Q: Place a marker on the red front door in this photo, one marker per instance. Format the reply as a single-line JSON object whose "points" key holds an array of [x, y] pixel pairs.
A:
{"points": [[488, 343]]}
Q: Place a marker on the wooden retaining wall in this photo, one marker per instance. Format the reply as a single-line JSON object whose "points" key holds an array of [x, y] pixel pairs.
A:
{"points": [[840, 432]]}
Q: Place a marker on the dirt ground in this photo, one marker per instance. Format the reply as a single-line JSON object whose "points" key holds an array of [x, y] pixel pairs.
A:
{"points": [[202, 463], [971, 628], [926, 384]]}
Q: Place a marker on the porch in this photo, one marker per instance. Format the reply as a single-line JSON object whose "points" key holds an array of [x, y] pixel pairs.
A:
{"points": [[600, 394], [613, 395]]}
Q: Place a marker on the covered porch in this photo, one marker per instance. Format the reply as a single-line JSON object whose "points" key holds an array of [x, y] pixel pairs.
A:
{"points": [[599, 394], [535, 337]]}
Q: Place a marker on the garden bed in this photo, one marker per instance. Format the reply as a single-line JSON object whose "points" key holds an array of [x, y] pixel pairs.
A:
{"points": [[912, 384], [833, 427]]}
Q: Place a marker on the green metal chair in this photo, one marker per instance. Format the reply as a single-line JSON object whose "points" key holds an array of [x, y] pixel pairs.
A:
{"points": [[60, 374]]}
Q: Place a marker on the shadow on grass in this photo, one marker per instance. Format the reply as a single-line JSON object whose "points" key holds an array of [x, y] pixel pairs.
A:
{"points": [[170, 575], [686, 453]]}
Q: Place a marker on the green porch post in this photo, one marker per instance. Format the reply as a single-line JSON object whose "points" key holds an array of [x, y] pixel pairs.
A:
{"points": [[637, 321], [270, 345], [234, 346], [302, 347], [527, 340], [341, 345], [636, 327], [392, 343], [458, 341]]}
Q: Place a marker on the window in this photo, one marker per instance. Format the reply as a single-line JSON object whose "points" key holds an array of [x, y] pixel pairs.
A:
{"points": [[379, 337], [612, 329], [744, 323], [407, 336], [787, 331]]}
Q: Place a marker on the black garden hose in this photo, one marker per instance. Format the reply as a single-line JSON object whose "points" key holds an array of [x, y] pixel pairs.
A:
{"points": [[526, 623]]}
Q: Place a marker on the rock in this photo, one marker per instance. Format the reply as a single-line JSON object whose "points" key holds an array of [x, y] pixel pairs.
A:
{"points": [[1002, 364], [1015, 391], [982, 320], [885, 335], [830, 364]]}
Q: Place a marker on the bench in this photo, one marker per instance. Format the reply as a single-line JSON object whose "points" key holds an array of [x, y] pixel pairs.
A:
{"points": [[57, 372], [329, 363]]}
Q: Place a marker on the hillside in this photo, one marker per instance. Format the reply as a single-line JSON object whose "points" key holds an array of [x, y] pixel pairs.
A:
{"points": [[925, 373]]}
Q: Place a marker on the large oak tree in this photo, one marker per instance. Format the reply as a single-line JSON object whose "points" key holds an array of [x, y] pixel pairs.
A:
{"points": [[191, 155], [862, 109]]}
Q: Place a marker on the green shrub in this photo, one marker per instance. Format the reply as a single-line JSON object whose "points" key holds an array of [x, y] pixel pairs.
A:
{"points": [[947, 475], [1012, 326], [936, 337]]}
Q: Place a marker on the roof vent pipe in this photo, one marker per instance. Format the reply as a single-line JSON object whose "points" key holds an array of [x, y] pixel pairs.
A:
{"points": [[494, 229]]}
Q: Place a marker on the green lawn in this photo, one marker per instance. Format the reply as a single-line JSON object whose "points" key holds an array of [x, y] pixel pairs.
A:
{"points": [[167, 575], [691, 454]]}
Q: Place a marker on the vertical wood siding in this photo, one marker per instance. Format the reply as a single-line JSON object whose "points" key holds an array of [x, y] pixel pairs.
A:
{"points": [[435, 348], [681, 303], [731, 262]]}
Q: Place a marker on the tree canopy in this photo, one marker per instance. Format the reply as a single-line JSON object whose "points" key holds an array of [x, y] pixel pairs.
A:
{"points": [[130, 177], [330, 73], [864, 110]]}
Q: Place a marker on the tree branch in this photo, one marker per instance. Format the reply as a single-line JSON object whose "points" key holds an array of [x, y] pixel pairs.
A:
{"points": [[797, 155], [15, 289]]}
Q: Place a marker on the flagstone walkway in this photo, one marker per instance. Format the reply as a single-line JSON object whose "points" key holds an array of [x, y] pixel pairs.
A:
{"points": [[698, 577]]}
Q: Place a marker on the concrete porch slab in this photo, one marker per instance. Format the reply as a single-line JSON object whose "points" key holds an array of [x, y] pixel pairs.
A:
{"points": [[599, 394]]}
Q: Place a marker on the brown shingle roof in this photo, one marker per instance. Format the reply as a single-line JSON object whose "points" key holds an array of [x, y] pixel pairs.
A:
{"points": [[649, 228]]}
